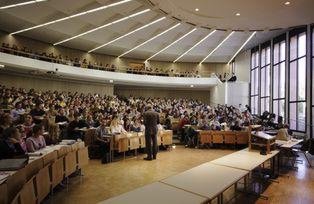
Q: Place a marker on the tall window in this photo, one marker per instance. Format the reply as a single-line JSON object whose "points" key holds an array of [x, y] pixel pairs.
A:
{"points": [[279, 74], [255, 81], [265, 79], [297, 82]]}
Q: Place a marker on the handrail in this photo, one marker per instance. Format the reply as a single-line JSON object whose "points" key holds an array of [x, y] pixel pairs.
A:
{"points": [[89, 66]]}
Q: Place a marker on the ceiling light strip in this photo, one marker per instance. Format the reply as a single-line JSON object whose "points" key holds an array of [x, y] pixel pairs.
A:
{"points": [[199, 42], [217, 47], [147, 41], [127, 34], [242, 47], [171, 44], [103, 26], [72, 16], [21, 4]]}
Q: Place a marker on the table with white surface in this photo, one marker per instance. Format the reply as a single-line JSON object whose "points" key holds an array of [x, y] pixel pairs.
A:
{"points": [[244, 159], [288, 144], [156, 193], [207, 180]]}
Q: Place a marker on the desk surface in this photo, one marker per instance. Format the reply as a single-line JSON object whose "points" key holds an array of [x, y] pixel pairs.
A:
{"points": [[289, 143], [244, 159], [207, 180], [263, 135], [156, 193]]}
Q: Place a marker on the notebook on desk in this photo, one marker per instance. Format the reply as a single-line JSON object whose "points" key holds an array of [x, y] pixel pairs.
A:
{"points": [[12, 164]]}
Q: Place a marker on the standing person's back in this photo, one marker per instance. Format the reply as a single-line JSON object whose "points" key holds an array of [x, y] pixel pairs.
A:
{"points": [[151, 119]]}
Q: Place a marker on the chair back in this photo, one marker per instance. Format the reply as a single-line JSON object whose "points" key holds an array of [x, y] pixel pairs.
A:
{"points": [[3, 193], [43, 183], [217, 137], [15, 183], [70, 163], [167, 137], [134, 142], [205, 137], [82, 157], [57, 172], [32, 168], [27, 194], [242, 137], [229, 137]]}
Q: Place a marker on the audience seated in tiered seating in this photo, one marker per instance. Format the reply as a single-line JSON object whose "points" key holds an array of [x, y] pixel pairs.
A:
{"points": [[65, 115], [83, 63]]}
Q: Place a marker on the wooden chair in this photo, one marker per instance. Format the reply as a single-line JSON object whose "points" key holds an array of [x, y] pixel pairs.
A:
{"points": [[15, 184], [81, 145], [217, 137], [89, 137], [229, 137], [43, 183], [27, 194], [33, 167], [123, 145], [82, 157], [242, 137], [50, 157], [3, 193], [167, 137], [57, 172], [205, 137], [70, 163]]}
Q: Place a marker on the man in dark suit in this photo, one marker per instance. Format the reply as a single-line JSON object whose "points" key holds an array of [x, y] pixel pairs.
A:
{"points": [[151, 119]]}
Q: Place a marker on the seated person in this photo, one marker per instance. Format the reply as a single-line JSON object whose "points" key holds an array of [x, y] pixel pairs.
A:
{"points": [[104, 143], [116, 127], [137, 126], [5, 122], [283, 134], [28, 125], [74, 126], [37, 140], [17, 111], [10, 146], [61, 117], [38, 113]]}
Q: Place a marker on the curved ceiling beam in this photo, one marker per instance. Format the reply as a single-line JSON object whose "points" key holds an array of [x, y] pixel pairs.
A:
{"points": [[199, 42], [147, 41], [224, 40], [21, 4], [127, 34], [72, 16], [103, 26], [174, 42], [242, 47]]}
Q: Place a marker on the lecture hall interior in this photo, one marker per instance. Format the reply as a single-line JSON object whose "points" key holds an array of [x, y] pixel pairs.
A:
{"points": [[156, 101]]}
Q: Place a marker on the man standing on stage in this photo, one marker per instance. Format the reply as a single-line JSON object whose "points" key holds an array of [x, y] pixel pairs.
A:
{"points": [[151, 119]]}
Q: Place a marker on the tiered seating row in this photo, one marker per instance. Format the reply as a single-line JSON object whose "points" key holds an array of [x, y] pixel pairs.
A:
{"points": [[37, 179], [223, 137]]}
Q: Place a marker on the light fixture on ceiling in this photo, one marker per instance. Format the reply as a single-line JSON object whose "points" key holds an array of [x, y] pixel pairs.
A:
{"points": [[191, 85], [156, 36], [217, 47], [111, 81], [2, 66], [72, 16], [238, 14], [103, 26], [174, 42], [242, 47], [197, 9], [199, 42], [287, 3], [21, 4], [127, 34]]}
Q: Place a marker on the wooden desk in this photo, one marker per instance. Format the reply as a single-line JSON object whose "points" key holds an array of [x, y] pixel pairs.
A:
{"points": [[208, 180], [259, 138], [156, 193]]}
